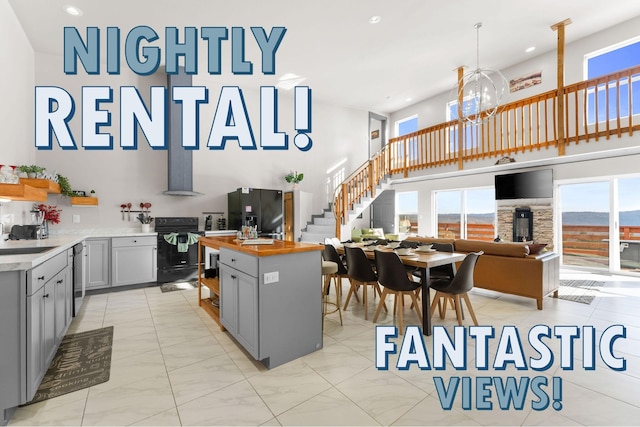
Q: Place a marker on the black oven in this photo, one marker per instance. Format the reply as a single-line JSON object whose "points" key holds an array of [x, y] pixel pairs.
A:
{"points": [[177, 248]]}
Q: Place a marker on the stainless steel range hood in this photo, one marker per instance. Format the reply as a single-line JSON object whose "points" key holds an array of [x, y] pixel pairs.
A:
{"points": [[180, 161]]}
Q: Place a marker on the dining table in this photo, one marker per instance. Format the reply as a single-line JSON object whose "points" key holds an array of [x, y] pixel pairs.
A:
{"points": [[423, 260]]}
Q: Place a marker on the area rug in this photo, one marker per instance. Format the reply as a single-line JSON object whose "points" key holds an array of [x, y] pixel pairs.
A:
{"points": [[177, 286], [582, 291], [82, 360]]}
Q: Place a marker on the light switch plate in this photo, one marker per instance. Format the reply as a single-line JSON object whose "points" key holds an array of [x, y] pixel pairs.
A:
{"points": [[76, 219], [271, 277]]}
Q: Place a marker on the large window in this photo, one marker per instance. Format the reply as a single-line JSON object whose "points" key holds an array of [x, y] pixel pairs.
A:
{"points": [[466, 214], [405, 127], [470, 130], [407, 212], [607, 61]]}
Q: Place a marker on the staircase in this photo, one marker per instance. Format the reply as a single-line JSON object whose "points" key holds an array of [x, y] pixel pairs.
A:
{"points": [[363, 203], [320, 227]]}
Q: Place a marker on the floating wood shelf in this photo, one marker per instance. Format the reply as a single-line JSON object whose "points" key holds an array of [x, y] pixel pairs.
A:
{"points": [[47, 184], [84, 201], [23, 193]]}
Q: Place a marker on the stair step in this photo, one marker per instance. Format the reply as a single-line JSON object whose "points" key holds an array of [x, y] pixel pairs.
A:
{"points": [[321, 229], [315, 237], [325, 221]]}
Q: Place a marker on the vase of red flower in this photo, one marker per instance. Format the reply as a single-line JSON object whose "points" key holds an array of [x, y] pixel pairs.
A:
{"points": [[50, 214]]}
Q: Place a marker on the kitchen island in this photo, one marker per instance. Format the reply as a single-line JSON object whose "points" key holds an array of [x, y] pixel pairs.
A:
{"points": [[267, 296]]}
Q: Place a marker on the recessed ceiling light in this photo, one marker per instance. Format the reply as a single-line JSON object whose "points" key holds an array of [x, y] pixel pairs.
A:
{"points": [[374, 19], [530, 49], [72, 10]]}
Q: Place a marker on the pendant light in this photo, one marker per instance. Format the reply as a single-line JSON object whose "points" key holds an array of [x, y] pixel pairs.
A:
{"points": [[481, 90]]}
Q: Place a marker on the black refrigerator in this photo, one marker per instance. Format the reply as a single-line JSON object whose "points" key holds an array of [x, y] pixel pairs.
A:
{"points": [[257, 206]]}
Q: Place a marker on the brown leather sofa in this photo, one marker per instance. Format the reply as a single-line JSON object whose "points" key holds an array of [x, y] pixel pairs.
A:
{"points": [[509, 268]]}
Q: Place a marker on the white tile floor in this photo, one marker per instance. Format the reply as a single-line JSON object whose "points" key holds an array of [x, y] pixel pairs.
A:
{"points": [[173, 366]]}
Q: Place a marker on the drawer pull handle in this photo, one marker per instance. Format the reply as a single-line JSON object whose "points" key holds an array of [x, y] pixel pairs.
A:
{"points": [[45, 296], [41, 278], [60, 281], [135, 241], [233, 260], [233, 277]]}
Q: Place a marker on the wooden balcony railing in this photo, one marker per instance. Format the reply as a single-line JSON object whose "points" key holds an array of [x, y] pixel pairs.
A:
{"points": [[594, 109], [593, 240]]}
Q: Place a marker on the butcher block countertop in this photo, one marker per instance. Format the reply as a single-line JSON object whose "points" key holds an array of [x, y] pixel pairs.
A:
{"points": [[279, 247]]}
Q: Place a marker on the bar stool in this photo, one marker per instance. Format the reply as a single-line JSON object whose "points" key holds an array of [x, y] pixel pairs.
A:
{"points": [[329, 268], [330, 254]]}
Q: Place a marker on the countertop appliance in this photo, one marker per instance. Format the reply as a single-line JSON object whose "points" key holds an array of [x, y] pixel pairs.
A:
{"points": [[257, 207], [79, 260], [177, 248], [25, 232]]}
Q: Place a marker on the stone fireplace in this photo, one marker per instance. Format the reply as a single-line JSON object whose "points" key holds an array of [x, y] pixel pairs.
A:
{"points": [[510, 214]]}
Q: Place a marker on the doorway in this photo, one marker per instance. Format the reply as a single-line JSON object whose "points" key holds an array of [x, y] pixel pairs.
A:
{"points": [[377, 133], [383, 211], [600, 224]]}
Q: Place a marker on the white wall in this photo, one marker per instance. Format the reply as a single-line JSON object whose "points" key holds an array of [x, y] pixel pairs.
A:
{"points": [[120, 176], [16, 108], [625, 151], [433, 111], [138, 176], [583, 169]]}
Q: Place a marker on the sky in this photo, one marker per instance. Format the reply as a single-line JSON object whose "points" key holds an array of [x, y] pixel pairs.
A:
{"points": [[594, 196], [583, 197]]}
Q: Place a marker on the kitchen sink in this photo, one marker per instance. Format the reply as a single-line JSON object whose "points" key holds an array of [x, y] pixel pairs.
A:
{"points": [[25, 251]]}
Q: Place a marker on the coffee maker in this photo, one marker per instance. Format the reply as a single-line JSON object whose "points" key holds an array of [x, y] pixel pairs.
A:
{"points": [[251, 220]]}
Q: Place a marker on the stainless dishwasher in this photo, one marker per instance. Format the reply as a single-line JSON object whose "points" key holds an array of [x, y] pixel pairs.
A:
{"points": [[78, 276]]}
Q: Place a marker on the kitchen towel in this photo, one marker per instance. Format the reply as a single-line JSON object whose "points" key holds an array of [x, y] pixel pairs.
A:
{"points": [[181, 240]]}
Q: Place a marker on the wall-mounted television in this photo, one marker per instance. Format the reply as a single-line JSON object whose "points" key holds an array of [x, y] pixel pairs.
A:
{"points": [[537, 184]]}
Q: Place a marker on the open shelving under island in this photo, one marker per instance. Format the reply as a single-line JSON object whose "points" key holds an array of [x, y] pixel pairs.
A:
{"points": [[268, 296]]}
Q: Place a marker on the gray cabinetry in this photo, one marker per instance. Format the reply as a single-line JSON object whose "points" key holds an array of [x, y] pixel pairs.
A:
{"points": [[133, 260], [63, 300], [98, 266], [48, 315], [229, 304], [40, 336], [271, 304], [239, 310], [12, 339]]}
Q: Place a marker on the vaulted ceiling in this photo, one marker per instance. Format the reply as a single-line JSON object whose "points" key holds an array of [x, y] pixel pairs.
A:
{"points": [[409, 55]]}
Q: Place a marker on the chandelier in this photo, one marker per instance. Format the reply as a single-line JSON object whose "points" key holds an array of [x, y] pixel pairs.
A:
{"points": [[479, 92]]}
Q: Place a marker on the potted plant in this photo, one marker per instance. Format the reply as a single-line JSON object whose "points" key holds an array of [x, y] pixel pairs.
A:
{"points": [[294, 178], [32, 170], [50, 214], [92, 193], [65, 187]]}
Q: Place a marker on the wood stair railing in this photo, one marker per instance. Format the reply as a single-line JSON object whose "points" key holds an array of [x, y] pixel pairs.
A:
{"points": [[518, 127]]}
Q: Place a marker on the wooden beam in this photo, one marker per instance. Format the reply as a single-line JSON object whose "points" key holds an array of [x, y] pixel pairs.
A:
{"points": [[559, 27], [460, 125]]}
